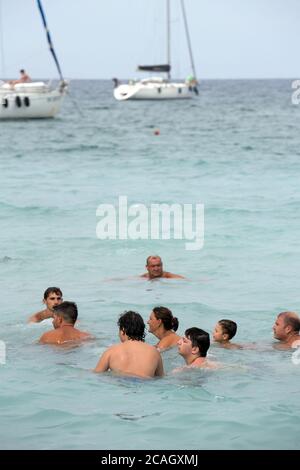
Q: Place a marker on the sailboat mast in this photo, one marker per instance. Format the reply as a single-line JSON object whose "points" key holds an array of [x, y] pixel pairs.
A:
{"points": [[3, 71], [39, 4], [188, 38], [168, 38]]}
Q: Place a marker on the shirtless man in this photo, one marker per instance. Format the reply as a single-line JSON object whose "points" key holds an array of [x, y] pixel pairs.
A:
{"points": [[286, 329], [52, 297], [155, 270], [132, 357], [64, 318], [24, 78], [193, 348]]}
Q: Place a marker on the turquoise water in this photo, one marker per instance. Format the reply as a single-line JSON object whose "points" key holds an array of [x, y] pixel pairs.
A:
{"points": [[236, 149]]}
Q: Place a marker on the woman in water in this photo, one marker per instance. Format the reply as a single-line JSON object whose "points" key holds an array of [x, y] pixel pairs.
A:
{"points": [[163, 325]]}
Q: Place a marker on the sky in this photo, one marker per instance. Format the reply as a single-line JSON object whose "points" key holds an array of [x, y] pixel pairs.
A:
{"points": [[101, 39]]}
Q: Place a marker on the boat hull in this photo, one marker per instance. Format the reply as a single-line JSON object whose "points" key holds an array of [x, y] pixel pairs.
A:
{"points": [[30, 104], [153, 91]]}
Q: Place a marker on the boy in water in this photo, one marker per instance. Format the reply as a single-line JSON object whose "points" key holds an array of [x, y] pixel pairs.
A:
{"points": [[52, 296], [224, 331], [193, 347]]}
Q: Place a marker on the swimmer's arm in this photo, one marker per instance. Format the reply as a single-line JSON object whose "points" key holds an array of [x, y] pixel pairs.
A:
{"points": [[40, 316], [160, 368], [103, 364], [173, 276]]}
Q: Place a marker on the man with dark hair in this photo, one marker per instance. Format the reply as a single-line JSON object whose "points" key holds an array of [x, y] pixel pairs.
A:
{"points": [[52, 297], [193, 348], [64, 318], [133, 356], [223, 332], [286, 329], [155, 270]]}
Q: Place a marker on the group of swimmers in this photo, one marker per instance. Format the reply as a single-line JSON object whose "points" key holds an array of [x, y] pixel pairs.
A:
{"points": [[132, 356]]}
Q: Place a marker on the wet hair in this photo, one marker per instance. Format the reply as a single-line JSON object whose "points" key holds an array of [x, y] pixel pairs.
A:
{"points": [[152, 256], [166, 316], [199, 339], [48, 291], [229, 327], [291, 319], [67, 310], [22, 71], [132, 324]]}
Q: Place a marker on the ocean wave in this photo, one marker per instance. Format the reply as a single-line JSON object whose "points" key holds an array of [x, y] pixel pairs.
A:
{"points": [[33, 209]]}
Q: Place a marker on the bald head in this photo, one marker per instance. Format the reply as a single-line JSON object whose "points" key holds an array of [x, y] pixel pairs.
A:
{"points": [[290, 319], [154, 258]]}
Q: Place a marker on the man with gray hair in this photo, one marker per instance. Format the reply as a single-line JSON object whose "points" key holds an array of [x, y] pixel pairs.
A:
{"points": [[155, 270]]}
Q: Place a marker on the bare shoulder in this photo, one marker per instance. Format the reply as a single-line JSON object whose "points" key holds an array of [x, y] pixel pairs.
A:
{"points": [[48, 337], [212, 365], [113, 348], [152, 349], [86, 335], [233, 346], [172, 276]]}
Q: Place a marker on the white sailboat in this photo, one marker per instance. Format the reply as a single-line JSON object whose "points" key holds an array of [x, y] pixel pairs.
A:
{"points": [[159, 88], [33, 99]]}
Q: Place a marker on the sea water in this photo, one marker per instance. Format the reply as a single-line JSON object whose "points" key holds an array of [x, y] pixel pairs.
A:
{"points": [[236, 149]]}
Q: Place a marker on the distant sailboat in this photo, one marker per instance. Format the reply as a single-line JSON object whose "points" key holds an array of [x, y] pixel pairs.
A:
{"points": [[30, 100], [158, 88]]}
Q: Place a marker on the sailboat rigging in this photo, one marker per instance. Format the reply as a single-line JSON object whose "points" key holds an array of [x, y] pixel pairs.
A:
{"points": [[159, 88], [33, 99]]}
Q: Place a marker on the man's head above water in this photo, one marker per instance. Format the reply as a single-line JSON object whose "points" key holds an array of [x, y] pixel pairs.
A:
{"points": [[154, 266]]}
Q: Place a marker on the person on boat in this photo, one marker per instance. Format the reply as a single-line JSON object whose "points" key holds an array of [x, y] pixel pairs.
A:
{"points": [[193, 347], [163, 325], [192, 83], [133, 356], [286, 329], [24, 78], [155, 270], [224, 331], [64, 318], [52, 297]]}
